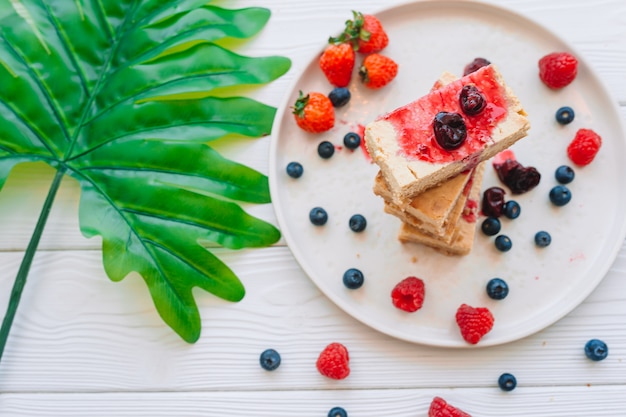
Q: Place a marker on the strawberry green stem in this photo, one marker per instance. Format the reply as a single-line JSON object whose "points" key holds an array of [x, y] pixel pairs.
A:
{"points": [[20, 279]]}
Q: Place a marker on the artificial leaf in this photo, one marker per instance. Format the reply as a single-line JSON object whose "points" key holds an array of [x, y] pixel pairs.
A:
{"points": [[102, 90]]}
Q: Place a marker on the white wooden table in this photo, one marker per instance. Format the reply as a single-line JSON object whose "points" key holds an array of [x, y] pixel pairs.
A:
{"points": [[84, 346]]}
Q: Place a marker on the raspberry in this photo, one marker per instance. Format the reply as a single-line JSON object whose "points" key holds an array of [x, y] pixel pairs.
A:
{"points": [[333, 361], [408, 294], [584, 147], [474, 323], [558, 69], [440, 408]]}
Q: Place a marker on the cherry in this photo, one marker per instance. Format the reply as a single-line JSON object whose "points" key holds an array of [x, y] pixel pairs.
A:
{"points": [[518, 178], [493, 202], [450, 130], [475, 65], [472, 100]]}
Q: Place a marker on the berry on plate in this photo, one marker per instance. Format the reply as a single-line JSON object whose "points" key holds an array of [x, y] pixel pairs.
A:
{"points": [[560, 195], [333, 361], [497, 289], [318, 216], [294, 169], [474, 322], [357, 223], [503, 243], [340, 96], [269, 359], [584, 147], [558, 69], [377, 71], [325, 149], [564, 174], [314, 112], [365, 33], [565, 115], [491, 226], [493, 202], [353, 279], [337, 63], [408, 294], [511, 209], [440, 408], [352, 140], [543, 239]]}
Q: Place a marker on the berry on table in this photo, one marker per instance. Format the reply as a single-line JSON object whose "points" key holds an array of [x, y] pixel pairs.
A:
{"points": [[294, 169], [365, 33], [314, 113], [318, 216], [337, 412], [558, 69], [353, 279], [475, 65], [408, 294], [269, 359], [503, 243], [377, 71], [543, 239], [564, 174], [352, 140], [493, 201], [325, 149], [596, 350], [474, 322], [440, 408], [565, 115], [337, 62], [490, 226], [584, 147], [560, 195], [339, 96], [497, 289], [507, 382], [511, 209], [334, 361], [357, 223]]}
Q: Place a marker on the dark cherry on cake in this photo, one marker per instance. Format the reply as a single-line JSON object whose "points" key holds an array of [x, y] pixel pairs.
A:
{"points": [[450, 130]]}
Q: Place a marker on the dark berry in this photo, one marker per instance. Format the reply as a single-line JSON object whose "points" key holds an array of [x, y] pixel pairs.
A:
{"points": [[565, 115], [497, 289], [269, 359], [493, 202], [542, 239], [475, 65], [560, 195], [325, 149], [352, 140], [339, 97], [596, 350], [472, 100], [490, 226], [450, 130], [564, 174], [318, 216], [507, 382], [518, 178], [503, 243], [511, 209], [337, 412], [353, 278], [294, 169], [357, 223]]}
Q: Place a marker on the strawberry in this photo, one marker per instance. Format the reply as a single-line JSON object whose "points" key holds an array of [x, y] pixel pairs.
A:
{"points": [[584, 147], [333, 361], [558, 69], [440, 408], [377, 71], [314, 112], [365, 33], [474, 323], [408, 294], [337, 63]]}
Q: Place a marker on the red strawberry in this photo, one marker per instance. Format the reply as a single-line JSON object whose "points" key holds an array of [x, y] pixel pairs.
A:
{"points": [[440, 408], [474, 323], [333, 362], [408, 294], [337, 63], [377, 71], [365, 33], [558, 69], [584, 147], [314, 112]]}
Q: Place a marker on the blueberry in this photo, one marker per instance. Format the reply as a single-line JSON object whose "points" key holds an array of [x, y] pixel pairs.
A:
{"points": [[507, 382], [357, 223], [560, 195], [596, 350], [318, 216], [337, 412], [542, 239], [512, 209], [490, 226], [564, 174], [503, 243], [353, 278], [269, 359], [565, 115], [497, 289], [325, 149], [339, 97], [294, 169], [352, 140]]}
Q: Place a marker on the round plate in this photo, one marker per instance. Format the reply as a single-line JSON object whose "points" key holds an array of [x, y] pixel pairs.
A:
{"points": [[427, 38]]}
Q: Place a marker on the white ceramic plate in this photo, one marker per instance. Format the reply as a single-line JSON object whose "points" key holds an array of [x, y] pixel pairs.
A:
{"points": [[427, 38]]}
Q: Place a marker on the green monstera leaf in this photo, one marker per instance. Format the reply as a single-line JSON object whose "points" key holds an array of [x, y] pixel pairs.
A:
{"points": [[121, 96]]}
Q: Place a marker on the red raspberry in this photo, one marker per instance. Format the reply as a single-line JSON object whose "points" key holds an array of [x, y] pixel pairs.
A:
{"points": [[584, 147], [474, 323], [333, 362], [558, 69], [440, 408], [408, 294]]}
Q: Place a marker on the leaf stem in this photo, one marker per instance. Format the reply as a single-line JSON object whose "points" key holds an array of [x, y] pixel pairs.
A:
{"points": [[20, 279]]}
